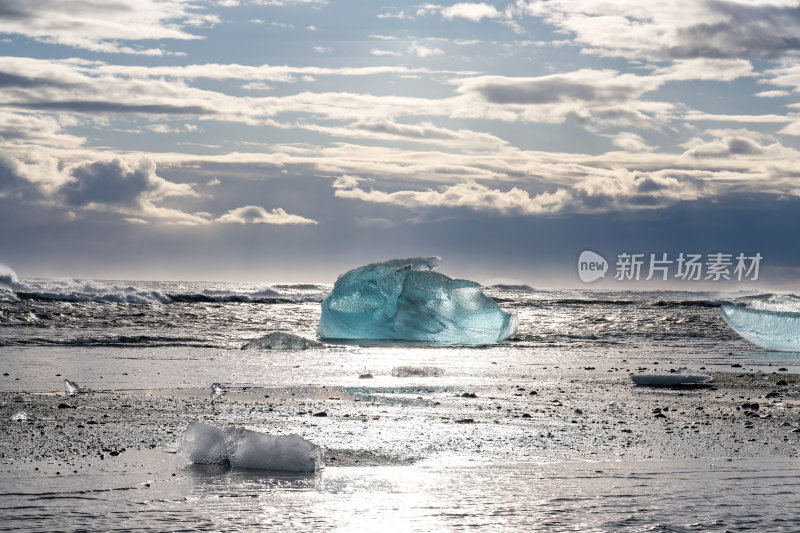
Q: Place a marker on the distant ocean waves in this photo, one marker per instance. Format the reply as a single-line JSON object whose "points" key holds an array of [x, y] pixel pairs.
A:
{"points": [[69, 290], [151, 341], [126, 314]]}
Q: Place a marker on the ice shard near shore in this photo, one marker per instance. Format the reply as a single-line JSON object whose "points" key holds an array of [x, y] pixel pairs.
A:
{"points": [[252, 450], [404, 299], [771, 321]]}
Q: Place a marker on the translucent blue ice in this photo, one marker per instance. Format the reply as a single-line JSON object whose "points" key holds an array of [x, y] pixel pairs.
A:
{"points": [[768, 321], [403, 299]]}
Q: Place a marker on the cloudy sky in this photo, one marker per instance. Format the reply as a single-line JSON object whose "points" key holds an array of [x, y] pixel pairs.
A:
{"points": [[288, 140]]}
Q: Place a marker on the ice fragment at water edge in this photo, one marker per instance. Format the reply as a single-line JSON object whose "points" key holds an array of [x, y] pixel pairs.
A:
{"points": [[279, 340], [243, 448], [769, 321], [71, 388]]}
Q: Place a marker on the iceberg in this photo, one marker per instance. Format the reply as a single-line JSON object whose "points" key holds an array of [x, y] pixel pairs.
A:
{"points": [[242, 448], [404, 299], [771, 322]]}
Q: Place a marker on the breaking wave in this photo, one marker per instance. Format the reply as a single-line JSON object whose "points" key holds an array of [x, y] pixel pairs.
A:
{"points": [[781, 303], [68, 290], [7, 276]]}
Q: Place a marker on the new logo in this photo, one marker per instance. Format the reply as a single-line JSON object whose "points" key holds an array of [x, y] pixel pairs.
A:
{"points": [[591, 266]]}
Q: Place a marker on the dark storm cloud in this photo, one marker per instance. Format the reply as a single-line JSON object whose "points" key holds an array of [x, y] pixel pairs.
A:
{"points": [[13, 183], [82, 106], [13, 9], [14, 80], [728, 146], [9, 178], [108, 182], [573, 87], [766, 32], [538, 92]]}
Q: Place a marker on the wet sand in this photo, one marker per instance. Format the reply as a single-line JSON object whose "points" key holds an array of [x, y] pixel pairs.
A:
{"points": [[604, 415]]}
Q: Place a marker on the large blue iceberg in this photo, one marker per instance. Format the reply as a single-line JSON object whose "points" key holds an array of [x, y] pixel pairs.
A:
{"points": [[770, 321], [403, 299]]}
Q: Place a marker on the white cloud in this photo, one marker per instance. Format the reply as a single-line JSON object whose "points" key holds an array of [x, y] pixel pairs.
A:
{"points": [[792, 128], [378, 52], [630, 142], [466, 10], [257, 86], [252, 214], [420, 50], [323, 49], [374, 222], [736, 143], [422, 132], [388, 15], [82, 72], [785, 76], [166, 128], [99, 26], [346, 182], [754, 119], [602, 191], [33, 174], [471, 195], [773, 94], [284, 3], [20, 129], [703, 68]]}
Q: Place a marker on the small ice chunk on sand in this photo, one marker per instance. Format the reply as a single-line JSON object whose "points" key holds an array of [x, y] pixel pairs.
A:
{"points": [[243, 448], [280, 340], [71, 388], [683, 376], [217, 390], [416, 371], [20, 416]]}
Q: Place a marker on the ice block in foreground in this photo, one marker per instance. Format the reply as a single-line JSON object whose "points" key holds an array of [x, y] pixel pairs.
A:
{"points": [[243, 448]]}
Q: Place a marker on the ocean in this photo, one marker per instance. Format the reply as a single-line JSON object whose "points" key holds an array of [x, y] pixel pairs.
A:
{"points": [[542, 432]]}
